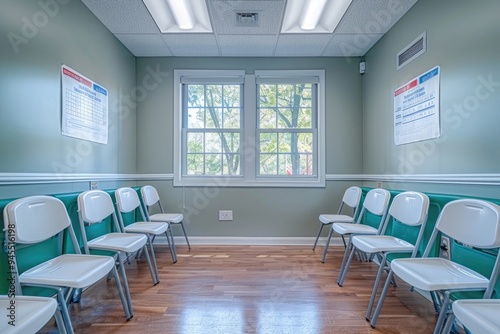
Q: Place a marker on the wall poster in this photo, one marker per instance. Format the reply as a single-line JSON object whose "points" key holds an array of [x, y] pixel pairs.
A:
{"points": [[84, 107], [416, 109]]}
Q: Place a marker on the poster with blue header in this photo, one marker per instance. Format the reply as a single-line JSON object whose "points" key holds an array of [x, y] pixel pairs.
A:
{"points": [[84, 107], [416, 109]]}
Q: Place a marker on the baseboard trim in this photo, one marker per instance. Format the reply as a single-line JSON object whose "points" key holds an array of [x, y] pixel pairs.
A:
{"points": [[251, 241]]}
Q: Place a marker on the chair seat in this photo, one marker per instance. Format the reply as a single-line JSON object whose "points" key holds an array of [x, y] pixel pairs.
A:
{"points": [[31, 313], [478, 315], [69, 270], [347, 228], [431, 274], [381, 243], [328, 219], [174, 218], [147, 227], [119, 242]]}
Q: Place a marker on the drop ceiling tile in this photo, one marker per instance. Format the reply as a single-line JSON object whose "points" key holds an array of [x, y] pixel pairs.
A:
{"points": [[302, 45], [192, 45], [373, 16], [223, 15], [350, 45], [123, 16], [144, 45], [247, 45]]}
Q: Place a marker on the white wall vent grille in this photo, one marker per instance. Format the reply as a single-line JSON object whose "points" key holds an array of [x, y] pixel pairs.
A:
{"points": [[412, 50]]}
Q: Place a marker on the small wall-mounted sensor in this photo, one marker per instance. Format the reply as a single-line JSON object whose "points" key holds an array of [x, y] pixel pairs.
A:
{"points": [[362, 67]]}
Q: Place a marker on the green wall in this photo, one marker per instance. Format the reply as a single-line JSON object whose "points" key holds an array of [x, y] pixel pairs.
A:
{"points": [[462, 38], [35, 40]]}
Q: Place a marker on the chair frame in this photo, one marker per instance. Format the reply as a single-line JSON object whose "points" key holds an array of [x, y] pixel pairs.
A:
{"points": [[150, 197], [449, 223], [12, 238], [396, 211], [352, 199], [111, 241]]}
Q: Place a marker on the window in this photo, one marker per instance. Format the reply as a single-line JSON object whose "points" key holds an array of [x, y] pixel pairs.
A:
{"points": [[264, 129]]}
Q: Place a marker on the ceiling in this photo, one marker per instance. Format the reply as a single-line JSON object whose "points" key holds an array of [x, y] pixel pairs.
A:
{"points": [[364, 23]]}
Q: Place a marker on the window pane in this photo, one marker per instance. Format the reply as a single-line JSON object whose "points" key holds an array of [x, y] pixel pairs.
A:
{"points": [[268, 164], [231, 164], [267, 119], [285, 95], [305, 118], [195, 142], [213, 164], [194, 164], [286, 119], [231, 118], [306, 164], [268, 142], [214, 118], [214, 95], [213, 143], [196, 118], [231, 96], [285, 165], [230, 142], [305, 143], [267, 96], [196, 96]]}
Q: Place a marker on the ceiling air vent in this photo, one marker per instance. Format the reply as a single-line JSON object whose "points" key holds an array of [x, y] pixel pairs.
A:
{"points": [[412, 51], [247, 19]]}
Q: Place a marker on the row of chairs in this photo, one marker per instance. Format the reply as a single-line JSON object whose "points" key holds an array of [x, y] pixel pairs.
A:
{"points": [[40, 219], [470, 222]]}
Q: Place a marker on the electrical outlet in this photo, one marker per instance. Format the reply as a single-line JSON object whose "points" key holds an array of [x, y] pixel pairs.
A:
{"points": [[225, 214], [94, 185], [444, 247], [379, 184]]}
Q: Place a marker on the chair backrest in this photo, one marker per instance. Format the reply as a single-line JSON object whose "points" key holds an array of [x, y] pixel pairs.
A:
{"points": [[33, 219], [94, 206], [472, 222], [149, 195], [376, 201], [352, 196], [127, 200], [410, 208]]}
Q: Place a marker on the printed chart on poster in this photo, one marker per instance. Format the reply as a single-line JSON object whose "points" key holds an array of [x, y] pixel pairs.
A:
{"points": [[416, 109], [84, 107]]}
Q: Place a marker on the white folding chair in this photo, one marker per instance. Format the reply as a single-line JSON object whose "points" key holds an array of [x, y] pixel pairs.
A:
{"points": [[26, 314], [351, 198], [127, 202], [376, 203], [95, 207], [407, 209], [150, 197], [32, 220], [471, 222], [478, 315]]}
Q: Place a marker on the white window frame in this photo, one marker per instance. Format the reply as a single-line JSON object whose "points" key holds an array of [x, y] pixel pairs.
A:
{"points": [[249, 152]]}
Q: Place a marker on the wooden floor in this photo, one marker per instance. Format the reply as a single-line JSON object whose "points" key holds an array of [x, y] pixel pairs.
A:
{"points": [[249, 289]]}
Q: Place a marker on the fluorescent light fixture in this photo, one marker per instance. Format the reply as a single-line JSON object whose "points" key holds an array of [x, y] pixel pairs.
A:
{"points": [[313, 16], [183, 15], [173, 16], [313, 9]]}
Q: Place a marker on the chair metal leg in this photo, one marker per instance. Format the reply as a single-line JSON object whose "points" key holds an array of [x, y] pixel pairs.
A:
{"points": [[185, 234], [326, 245], [448, 324], [60, 321], [317, 237], [343, 269], [151, 261], [120, 264], [126, 305], [442, 314], [375, 287], [346, 252], [64, 311], [381, 299], [171, 243]]}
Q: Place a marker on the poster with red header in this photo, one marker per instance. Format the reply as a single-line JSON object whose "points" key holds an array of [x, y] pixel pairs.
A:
{"points": [[84, 107], [416, 109]]}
